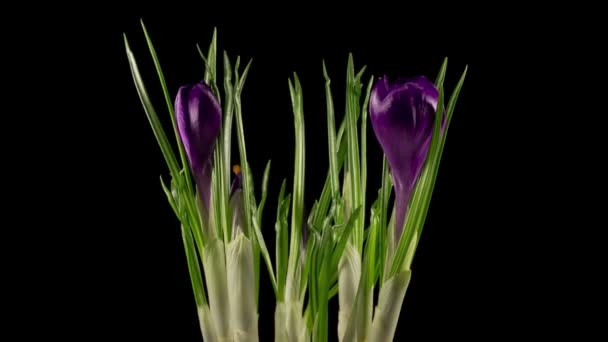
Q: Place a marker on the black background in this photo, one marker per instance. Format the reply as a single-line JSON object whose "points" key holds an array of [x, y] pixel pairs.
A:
{"points": [[475, 275]]}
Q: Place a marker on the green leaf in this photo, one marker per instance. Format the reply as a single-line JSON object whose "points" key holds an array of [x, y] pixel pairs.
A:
{"points": [[216, 214], [441, 74], [455, 94], [323, 285], [155, 123], [325, 199], [194, 267], [211, 70], [264, 251], [311, 216], [298, 184], [313, 256], [188, 195], [169, 197], [170, 107], [360, 74], [221, 197], [264, 190], [370, 252], [228, 125], [333, 291], [386, 241], [387, 187], [205, 61], [343, 239], [439, 152], [247, 190], [364, 147], [310, 250], [249, 197], [281, 240], [352, 107], [331, 134], [241, 79]]}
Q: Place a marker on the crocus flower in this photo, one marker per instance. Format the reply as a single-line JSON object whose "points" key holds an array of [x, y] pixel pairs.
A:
{"points": [[402, 116], [199, 117]]}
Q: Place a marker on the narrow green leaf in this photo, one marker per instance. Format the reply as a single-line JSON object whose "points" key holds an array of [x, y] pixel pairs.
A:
{"points": [[298, 184], [243, 153], [352, 107], [314, 275], [264, 251], [360, 74], [217, 221], [211, 70], [385, 240], [280, 247], [311, 216], [223, 201], [205, 61], [456, 93], [333, 291], [237, 65], [283, 245], [227, 134], [325, 199], [280, 201], [364, 113], [241, 79], [331, 135], [323, 287], [169, 197], [370, 252], [442, 70], [439, 152], [192, 213], [310, 249], [170, 108], [189, 213], [255, 245], [386, 190], [155, 123], [343, 239], [264, 190], [379, 231], [194, 268]]}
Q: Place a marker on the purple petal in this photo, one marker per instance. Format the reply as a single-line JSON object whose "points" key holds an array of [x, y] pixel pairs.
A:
{"points": [[199, 118], [402, 116]]}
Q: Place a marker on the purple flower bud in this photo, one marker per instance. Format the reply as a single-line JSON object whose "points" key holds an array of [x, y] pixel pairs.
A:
{"points": [[199, 119], [402, 116]]}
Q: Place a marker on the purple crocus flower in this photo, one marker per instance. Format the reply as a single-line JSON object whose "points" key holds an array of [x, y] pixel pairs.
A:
{"points": [[402, 116], [199, 119]]}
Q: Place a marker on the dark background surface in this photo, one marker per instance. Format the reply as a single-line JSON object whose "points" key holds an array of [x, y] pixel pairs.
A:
{"points": [[476, 273]]}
